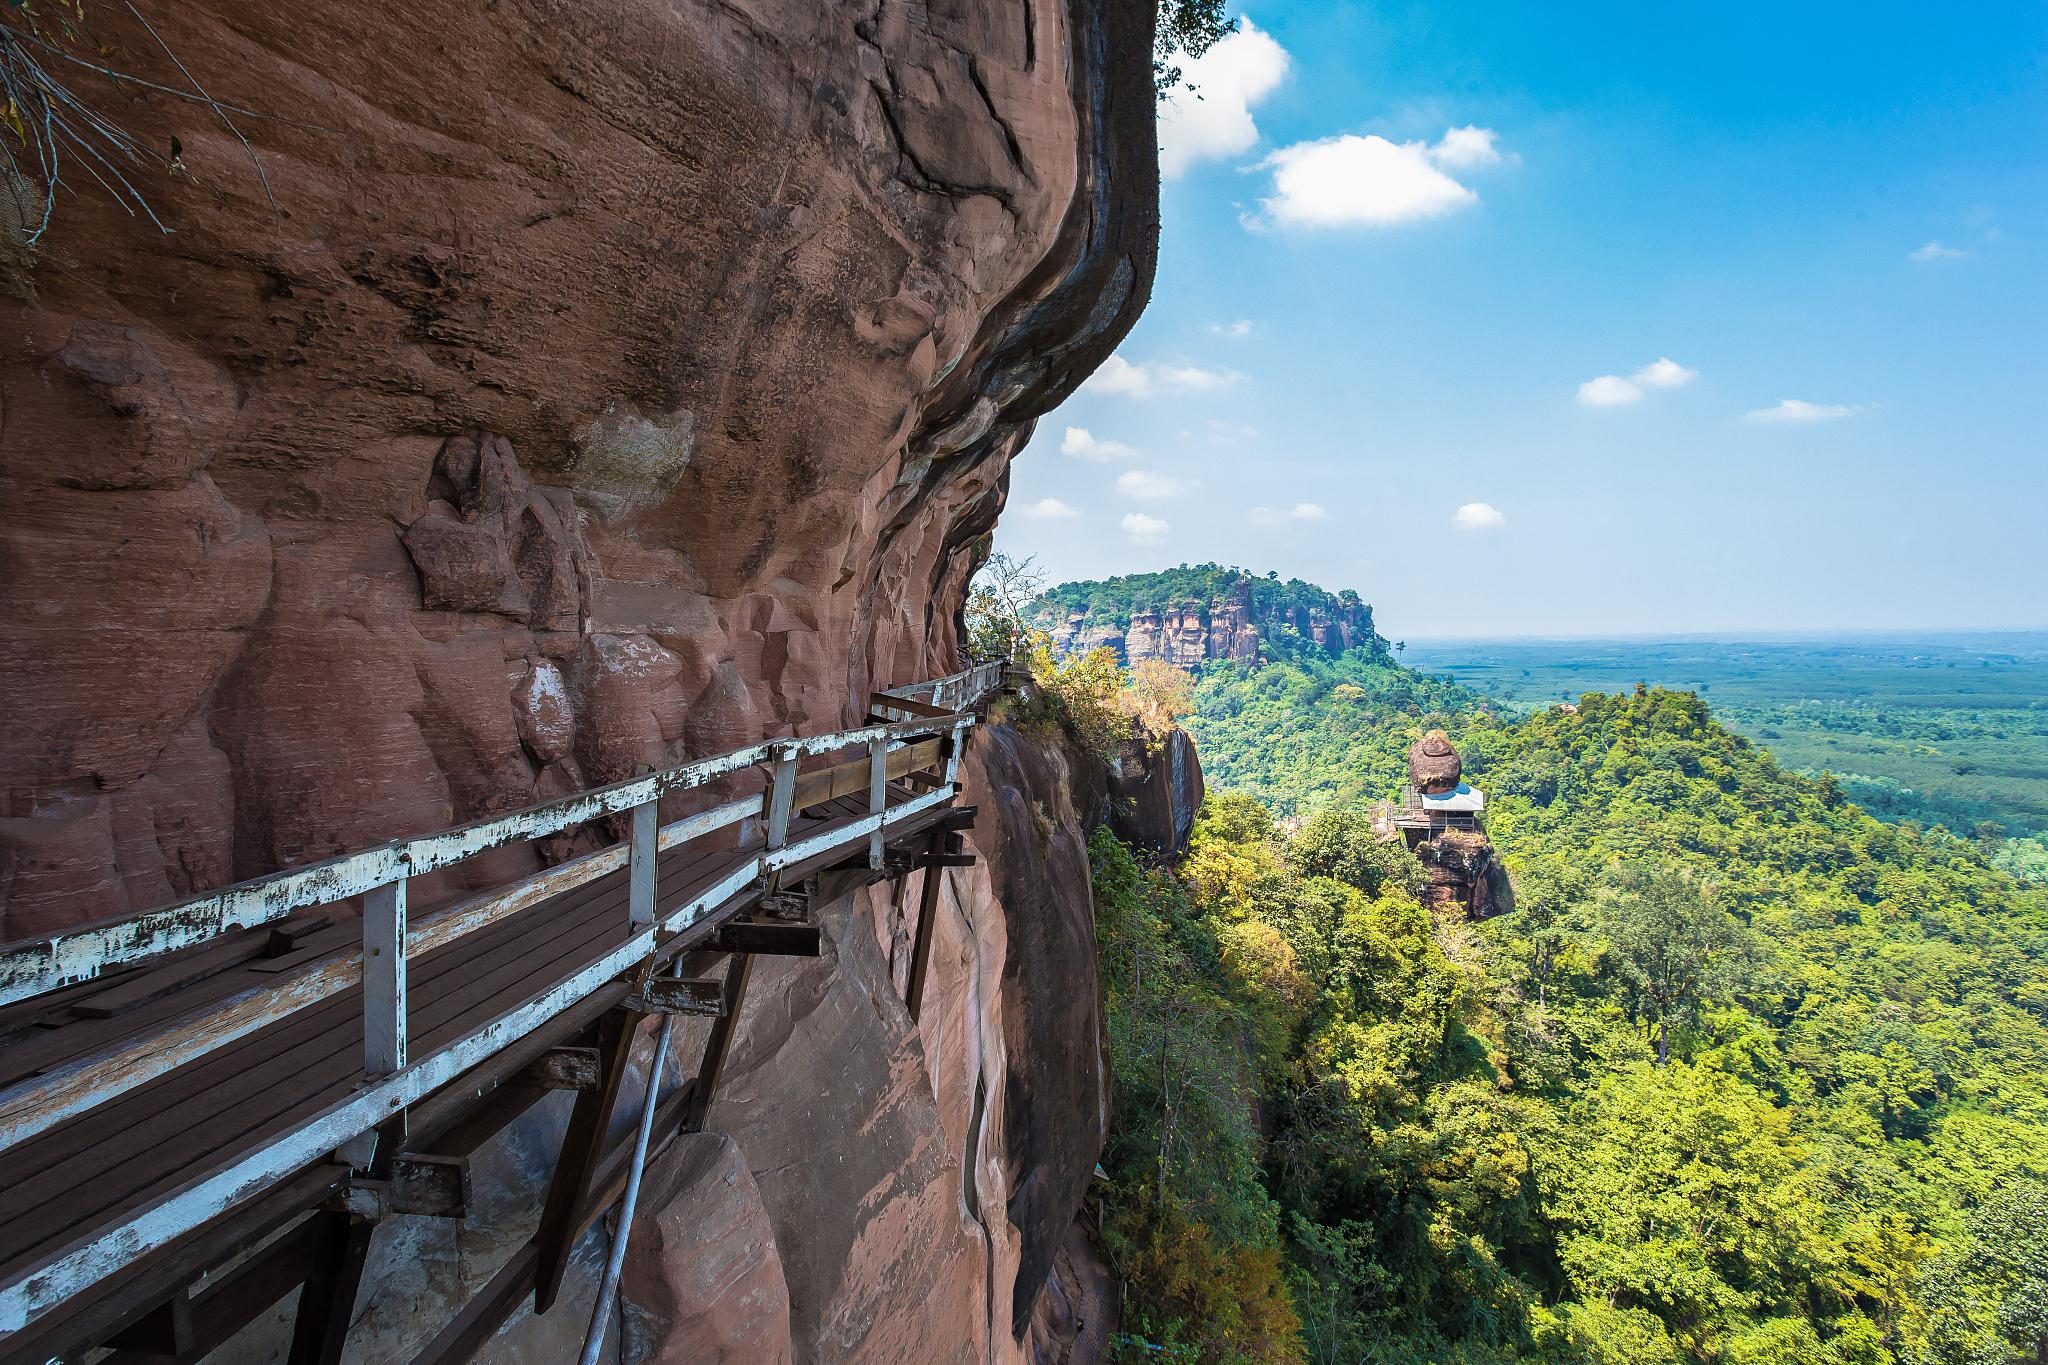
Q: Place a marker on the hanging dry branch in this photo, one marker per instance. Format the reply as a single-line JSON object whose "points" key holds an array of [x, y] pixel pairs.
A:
{"points": [[47, 133]]}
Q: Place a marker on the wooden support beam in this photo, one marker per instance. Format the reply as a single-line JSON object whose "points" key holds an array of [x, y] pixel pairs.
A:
{"points": [[233, 1299], [452, 1123], [564, 1068], [681, 995], [327, 1303], [718, 1045], [787, 907], [582, 1144], [774, 940], [138, 1287], [430, 1186], [340, 1250], [927, 917], [165, 1330]]}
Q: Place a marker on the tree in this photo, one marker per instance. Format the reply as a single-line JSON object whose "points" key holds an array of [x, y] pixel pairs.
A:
{"points": [[1986, 1303], [1675, 946], [1187, 28], [1159, 695], [1003, 591], [1343, 844]]}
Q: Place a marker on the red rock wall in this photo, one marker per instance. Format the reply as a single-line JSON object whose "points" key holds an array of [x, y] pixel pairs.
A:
{"points": [[612, 382], [1193, 632]]}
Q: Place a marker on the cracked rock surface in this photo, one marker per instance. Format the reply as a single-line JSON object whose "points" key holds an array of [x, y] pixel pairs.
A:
{"points": [[580, 388]]}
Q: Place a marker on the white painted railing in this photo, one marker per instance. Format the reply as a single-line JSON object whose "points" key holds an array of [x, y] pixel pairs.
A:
{"points": [[380, 875]]}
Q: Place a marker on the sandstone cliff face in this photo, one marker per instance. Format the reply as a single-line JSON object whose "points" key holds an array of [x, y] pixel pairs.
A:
{"points": [[612, 383], [1465, 874], [1195, 632]]}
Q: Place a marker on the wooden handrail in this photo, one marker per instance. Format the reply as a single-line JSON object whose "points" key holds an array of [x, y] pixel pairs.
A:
{"points": [[32, 966], [393, 1080]]}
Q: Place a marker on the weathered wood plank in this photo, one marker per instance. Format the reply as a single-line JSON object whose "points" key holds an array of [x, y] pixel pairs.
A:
{"points": [[30, 1291], [775, 940], [681, 995], [35, 966], [563, 1068]]}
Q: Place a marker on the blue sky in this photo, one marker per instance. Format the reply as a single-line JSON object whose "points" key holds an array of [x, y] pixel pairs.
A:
{"points": [[1590, 318]]}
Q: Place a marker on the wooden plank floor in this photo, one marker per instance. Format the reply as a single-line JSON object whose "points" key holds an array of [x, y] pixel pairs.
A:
{"points": [[76, 1178]]}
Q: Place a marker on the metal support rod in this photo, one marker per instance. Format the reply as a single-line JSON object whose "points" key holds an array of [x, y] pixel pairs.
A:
{"points": [[384, 979], [608, 1287], [640, 874]]}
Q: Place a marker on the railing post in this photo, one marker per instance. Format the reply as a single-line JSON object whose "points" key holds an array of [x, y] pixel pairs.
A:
{"points": [[781, 793], [781, 796], [645, 848], [950, 747], [878, 794], [384, 979]]}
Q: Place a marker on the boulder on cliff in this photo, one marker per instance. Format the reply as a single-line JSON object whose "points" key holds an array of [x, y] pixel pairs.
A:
{"points": [[1155, 789], [1433, 764], [703, 1274], [1465, 874]]}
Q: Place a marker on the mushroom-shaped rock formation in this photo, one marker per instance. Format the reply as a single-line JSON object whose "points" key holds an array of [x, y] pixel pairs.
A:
{"points": [[1433, 764]]}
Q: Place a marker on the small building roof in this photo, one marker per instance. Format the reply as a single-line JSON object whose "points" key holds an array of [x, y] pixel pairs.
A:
{"points": [[1465, 797]]}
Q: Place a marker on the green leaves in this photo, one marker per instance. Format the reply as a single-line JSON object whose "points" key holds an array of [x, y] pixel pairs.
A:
{"points": [[1468, 1148]]}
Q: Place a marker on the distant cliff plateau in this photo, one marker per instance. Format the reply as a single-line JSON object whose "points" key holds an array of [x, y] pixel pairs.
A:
{"points": [[1192, 615]]}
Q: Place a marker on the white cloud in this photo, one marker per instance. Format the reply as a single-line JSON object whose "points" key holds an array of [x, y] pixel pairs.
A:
{"points": [[1083, 444], [1144, 530], [1193, 379], [1935, 251], [1352, 180], [1149, 485], [1231, 432], [1478, 516], [1466, 148], [1275, 516], [1612, 391], [1798, 410], [1118, 375], [1149, 379], [1214, 119], [1664, 373], [1609, 391], [1241, 328], [1046, 509]]}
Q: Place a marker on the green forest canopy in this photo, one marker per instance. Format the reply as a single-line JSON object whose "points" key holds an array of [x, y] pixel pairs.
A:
{"points": [[1351, 1128], [1112, 600]]}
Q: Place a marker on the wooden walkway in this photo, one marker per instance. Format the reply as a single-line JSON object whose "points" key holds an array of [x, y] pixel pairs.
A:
{"points": [[109, 1214]]}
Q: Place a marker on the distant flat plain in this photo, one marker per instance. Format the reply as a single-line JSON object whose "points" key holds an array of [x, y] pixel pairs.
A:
{"points": [[1948, 727]]}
